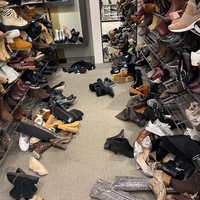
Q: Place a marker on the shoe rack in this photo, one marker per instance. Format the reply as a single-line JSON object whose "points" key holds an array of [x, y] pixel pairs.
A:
{"points": [[176, 104]]}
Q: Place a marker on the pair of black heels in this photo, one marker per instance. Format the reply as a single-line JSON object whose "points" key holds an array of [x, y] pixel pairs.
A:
{"points": [[24, 184], [119, 144]]}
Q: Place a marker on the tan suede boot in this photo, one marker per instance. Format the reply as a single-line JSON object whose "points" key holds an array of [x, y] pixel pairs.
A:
{"points": [[190, 16], [37, 167]]}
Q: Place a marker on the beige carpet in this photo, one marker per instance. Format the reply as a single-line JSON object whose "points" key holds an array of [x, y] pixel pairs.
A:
{"points": [[73, 172]]}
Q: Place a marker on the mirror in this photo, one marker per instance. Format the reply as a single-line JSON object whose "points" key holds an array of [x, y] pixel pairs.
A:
{"points": [[118, 33]]}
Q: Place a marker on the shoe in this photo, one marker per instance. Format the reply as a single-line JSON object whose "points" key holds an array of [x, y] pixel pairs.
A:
{"points": [[195, 58], [37, 197], [197, 26], [162, 29], [190, 16], [108, 142], [11, 21], [12, 34], [157, 185], [39, 148], [37, 167], [24, 142], [37, 92], [3, 3], [128, 114], [4, 114], [109, 83], [20, 45], [122, 146], [126, 79], [22, 14], [156, 20], [178, 88], [31, 11], [192, 133], [4, 139]]}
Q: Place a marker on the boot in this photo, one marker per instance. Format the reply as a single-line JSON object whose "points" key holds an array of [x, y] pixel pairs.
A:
{"points": [[2, 56], [122, 146], [39, 148], [4, 51], [170, 55], [157, 185], [156, 20], [4, 114], [37, 167], [38, 92], [4, 139], [137, 79], [163, 50], [175, 6], [190, 185], [104, 89], [128, 114], [108, 142], [190, 16], [148, 17]]}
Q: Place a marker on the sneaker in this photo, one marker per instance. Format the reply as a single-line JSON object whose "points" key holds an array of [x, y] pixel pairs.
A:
{"points": [[192, 133], [190, 16], [11, 21], [109, 83], [24, 142], [195, 58], [159, 128]]}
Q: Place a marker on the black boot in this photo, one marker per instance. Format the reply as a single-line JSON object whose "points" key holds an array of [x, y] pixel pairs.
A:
{"points": [[104, 89], [122, 146], [137, 79], [108, 142]]}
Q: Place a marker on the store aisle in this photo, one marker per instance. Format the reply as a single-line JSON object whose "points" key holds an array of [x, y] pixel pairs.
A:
{"points": [[73, 172]]}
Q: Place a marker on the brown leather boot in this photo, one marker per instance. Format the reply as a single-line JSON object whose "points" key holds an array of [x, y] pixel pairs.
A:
{"points": [[4, 114], [23, 14], [17, 115], [37, 92], [39, 148]]}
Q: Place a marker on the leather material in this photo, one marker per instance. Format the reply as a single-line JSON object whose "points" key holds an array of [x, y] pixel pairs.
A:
{"points": [[162, 29]]}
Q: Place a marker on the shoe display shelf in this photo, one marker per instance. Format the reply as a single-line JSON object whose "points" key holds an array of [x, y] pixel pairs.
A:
{"points": [[10, 127], [49, 3], [109, 13]]}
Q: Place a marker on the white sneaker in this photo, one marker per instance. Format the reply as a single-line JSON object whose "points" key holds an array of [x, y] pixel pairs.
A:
{"points": [[165, 127], [193, 133], [10, 19], [195, 58], [24, 142]]}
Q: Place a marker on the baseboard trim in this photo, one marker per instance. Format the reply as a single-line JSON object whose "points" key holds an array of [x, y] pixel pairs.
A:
{"points": [[86, 59]]}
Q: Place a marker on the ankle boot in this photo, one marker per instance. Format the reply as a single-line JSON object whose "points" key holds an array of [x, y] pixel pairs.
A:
{"points": [[37, 167], [163, 50], [170, 55], [4, 114], [190, 16], [137, 79], [175, 6], [122, 146], [156, 20], [108, 142]]}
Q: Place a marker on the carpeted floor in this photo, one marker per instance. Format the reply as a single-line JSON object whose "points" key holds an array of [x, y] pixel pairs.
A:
{"points": [[73, 172]]}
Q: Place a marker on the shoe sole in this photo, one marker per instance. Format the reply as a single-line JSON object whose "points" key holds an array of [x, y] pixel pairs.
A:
{"points": [[191, 26], [121, 80]]}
